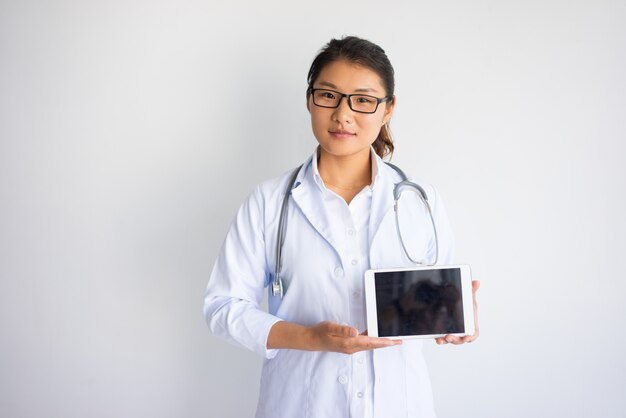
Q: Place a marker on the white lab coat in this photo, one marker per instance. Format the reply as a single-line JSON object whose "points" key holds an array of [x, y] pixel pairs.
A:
{"points": [[298, 383]]}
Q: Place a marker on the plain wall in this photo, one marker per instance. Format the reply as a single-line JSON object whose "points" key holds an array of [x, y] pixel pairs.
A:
{"points": [[130, 132]]}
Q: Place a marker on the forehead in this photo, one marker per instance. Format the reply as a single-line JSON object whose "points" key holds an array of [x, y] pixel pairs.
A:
{"points": [[349, 77]]}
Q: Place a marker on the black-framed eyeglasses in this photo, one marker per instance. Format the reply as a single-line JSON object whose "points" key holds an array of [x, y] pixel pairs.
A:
{"points": [[362, 103]]}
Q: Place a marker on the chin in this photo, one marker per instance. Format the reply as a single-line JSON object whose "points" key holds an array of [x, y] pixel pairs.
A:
{"points": [[344, 149]]}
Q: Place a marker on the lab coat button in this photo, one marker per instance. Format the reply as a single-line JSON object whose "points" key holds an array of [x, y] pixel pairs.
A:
{"points": [[338, 272], [353, 262], [350, 232], [360, 360], [360, 394], [343, 380], [356, 294]]}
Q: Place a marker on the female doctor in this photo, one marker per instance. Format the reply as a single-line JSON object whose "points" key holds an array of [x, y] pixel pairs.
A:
{"points": [[319, 361]]}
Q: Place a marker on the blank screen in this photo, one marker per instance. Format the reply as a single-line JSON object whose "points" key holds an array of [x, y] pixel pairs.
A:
{"points": [[419, 302]]}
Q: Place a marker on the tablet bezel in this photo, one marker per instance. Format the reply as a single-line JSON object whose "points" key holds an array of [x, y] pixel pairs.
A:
{"points": [[466, 294]]}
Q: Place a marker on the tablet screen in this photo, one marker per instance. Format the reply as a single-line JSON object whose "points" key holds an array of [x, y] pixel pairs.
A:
{"points": [[419, 302]]}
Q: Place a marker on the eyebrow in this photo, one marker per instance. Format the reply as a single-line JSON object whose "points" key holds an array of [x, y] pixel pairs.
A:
{"points": [[361, 90]]}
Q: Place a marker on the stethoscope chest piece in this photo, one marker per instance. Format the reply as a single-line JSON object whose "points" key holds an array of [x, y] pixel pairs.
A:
{"points": [[277, 287]]}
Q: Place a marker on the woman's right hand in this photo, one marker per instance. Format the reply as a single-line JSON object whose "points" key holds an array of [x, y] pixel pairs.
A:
{"points": [[325, 336], [329, 336]]}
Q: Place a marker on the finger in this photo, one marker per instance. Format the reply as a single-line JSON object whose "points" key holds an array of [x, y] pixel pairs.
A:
{"points": [[453, 339], [476, 286], [342, 330], [476, 332], [374, 342], [469, 338], [441, 340], [364, 333], [474, 298], [370, 343]]}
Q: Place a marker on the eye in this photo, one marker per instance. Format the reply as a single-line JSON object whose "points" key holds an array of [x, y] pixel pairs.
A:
{"points": [[327, 95], [365, 99]]}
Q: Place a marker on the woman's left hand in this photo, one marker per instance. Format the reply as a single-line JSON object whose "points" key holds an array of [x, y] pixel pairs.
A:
{"points": [[453, 339]]}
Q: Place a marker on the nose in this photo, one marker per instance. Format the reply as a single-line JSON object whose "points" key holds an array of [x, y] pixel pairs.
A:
{"points": [[343, 113]]}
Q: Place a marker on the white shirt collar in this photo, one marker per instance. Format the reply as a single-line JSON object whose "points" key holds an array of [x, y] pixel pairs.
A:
{"points": [[318, 179]]}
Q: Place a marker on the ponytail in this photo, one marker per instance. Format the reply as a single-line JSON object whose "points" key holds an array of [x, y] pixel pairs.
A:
{"points": [[383, 145]]}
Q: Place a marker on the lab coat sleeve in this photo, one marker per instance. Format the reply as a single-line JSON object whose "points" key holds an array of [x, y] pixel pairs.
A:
{"points": [[237, 282], [444, 231]]}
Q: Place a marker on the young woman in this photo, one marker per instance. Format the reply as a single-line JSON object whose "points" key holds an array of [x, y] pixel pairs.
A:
{"points": [[319, 361]]}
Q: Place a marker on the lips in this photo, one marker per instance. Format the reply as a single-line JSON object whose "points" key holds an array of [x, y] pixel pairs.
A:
{"points": [[341, 134]]}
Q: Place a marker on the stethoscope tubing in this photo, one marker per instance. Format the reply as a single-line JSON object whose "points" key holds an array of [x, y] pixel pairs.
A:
{"points": [[277, 283]]}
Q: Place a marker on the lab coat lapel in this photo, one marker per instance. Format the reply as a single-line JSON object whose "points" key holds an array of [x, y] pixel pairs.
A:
{"points": [[382, 201], [304, 195]]}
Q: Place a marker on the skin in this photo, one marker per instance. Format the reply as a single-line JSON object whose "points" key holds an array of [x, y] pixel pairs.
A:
{"points": [[344, 164], [345, 136]]}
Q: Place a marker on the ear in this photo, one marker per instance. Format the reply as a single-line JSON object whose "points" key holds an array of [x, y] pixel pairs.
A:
{"points": [[390, 106], [308, 106]]}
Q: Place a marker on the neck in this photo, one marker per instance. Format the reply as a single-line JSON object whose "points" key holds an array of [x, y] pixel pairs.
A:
{"points": [[346, 171]]}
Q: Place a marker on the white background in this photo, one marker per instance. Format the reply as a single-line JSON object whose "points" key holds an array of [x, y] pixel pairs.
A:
{"points": [[132, 130]]}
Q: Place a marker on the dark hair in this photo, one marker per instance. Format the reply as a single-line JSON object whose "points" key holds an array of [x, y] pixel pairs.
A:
{"points": [[365, 53]]}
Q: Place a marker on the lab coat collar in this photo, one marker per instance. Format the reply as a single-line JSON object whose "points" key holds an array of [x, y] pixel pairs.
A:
{"points": [[307, 189], [306, 194], [318, 178]]}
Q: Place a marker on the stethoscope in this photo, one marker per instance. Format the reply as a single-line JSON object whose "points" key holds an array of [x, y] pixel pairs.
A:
{"points": [[277, 284]]}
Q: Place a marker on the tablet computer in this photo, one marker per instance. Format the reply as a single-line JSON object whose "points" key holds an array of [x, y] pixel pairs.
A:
{"points": [[419, 302]]}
